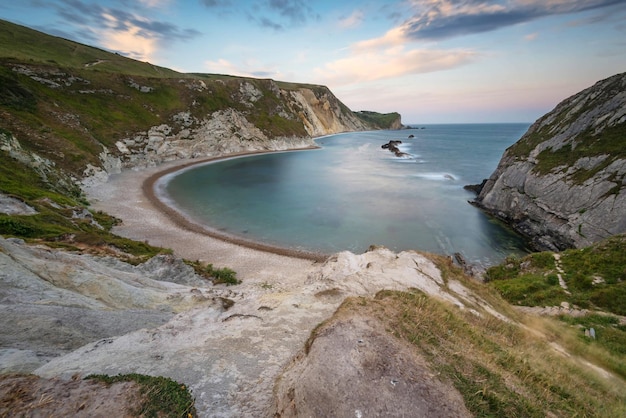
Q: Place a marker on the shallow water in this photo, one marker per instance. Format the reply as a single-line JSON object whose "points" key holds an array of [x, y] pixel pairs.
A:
{"points": [[351, 193]]}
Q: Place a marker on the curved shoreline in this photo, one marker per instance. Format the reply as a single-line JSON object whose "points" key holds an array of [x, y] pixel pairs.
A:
{"points": [[181, 221]]}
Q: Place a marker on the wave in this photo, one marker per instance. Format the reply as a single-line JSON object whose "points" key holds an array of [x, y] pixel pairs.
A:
{"points": [[437, 176]]}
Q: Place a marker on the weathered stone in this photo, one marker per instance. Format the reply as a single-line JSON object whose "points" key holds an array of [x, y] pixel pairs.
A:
{"points": [[574, 204], [12, 206]]}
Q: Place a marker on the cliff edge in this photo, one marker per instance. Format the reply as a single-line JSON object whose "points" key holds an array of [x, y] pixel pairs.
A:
{"points": [[74, 109], [563, 183]]}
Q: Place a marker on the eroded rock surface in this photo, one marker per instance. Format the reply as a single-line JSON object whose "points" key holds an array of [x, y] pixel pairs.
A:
{"points": [[74, 315], [564, 182], [353, 368]]}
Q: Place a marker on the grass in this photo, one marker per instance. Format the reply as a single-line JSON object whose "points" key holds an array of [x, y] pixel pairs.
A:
{"points": [[40, 48], [595, 277], [500, 368], [164, 397], [380, 120], [596, 280], [223, 275], [610, 143], [55, 223]]}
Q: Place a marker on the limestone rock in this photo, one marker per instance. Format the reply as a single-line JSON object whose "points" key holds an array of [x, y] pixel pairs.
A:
{"points": [[354, 368], [12, 206], [563, 184], [52, 302]]}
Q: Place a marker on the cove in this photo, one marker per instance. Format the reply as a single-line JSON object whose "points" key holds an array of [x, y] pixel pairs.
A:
{"points": [[351, 193]]}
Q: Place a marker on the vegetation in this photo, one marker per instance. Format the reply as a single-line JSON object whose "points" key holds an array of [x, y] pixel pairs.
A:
{"points": [[605, 146], [223, 275], [380, 120], [62, 218], [40, 48], [594, 277], [163, 397], [610, 145], [595, 280], [500, 368]]}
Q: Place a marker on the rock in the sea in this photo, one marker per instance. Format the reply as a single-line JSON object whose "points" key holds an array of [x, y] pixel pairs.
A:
{"points": [[393, 147]]}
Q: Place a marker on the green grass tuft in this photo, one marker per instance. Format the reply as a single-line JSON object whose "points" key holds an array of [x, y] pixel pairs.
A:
{"points": [[164, 397]]}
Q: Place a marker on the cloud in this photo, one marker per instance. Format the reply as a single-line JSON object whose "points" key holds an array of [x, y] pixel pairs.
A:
{"points": [[267, 23], [223, 66], [531, 36], [296, 11], [440, 19], [216, 3], [352, 21], [124, 31], [277, 15], [373, 64]]}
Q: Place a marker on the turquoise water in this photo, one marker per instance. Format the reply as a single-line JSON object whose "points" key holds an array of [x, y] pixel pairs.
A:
{"points": [[351, 193]]}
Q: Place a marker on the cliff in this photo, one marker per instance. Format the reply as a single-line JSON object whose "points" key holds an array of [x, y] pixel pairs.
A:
{"points": [[86, 112], [381, 120], [407, 333], [563, 183]]}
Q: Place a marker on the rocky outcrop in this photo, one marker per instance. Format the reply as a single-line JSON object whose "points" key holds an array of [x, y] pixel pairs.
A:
{"points": [[391, 121], [563, 184], [53, 302], [381, 376], [66, 314], [229, 131], [392, 146]]}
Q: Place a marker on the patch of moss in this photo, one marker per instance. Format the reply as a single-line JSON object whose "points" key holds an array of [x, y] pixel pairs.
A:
{"points": [[164, 397], [223, 275]]}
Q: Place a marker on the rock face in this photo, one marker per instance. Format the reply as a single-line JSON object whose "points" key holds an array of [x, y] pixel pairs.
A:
{"points": [[563, 183], [68, 313], [353, 368], [53, 302], [229, 130]]}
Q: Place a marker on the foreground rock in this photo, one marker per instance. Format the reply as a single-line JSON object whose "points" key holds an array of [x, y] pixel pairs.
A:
{"points": [[28, 396], [229, 356], [564, 182], [53, 302], [352, 367]]}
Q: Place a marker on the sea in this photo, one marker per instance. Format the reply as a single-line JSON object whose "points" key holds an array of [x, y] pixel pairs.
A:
{"points": [[351, 193]]}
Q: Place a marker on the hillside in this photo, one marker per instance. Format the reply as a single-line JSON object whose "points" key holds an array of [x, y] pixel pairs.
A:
{"points": [[70, 113], [108, 111], [563, 184], [95, 280]]}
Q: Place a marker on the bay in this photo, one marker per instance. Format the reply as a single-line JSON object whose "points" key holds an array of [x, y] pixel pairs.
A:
{"points": [[351, 193]]}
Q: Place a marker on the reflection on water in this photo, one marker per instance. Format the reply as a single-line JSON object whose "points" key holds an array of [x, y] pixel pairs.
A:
{"points": [[352, 193]]}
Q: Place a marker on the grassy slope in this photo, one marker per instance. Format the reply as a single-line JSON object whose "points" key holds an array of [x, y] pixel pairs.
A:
{"points": [[499, 368], [93, 106], [611, 142], [595, 279], [23, 44], [381, 120], [504, 369]]}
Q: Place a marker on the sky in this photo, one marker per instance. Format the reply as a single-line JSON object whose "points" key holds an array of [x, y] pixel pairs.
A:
{"points": [[432, 61]]}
